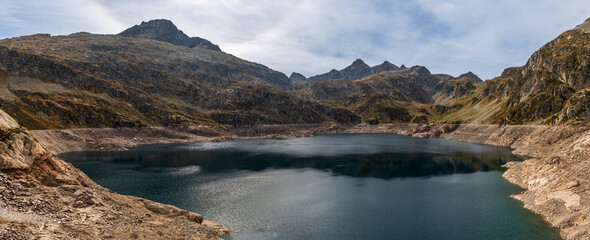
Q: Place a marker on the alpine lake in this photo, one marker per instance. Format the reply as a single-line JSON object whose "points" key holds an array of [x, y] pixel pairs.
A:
{"points": [[343, 186]]}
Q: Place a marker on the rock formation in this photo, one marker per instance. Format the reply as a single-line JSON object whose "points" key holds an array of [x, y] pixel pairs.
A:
{"points": [[165, 31], [42, 196], [551, 88]]}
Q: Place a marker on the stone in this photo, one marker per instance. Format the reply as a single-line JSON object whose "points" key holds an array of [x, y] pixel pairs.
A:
{"points": [[572, 184]]}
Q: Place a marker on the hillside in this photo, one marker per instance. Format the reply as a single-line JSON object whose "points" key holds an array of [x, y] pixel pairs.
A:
{"points": [[551, 88], [401, 95], [88, 80], [153, 74]]}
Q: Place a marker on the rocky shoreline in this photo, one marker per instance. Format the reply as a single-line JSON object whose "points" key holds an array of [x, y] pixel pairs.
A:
{"points": [[43, 197], [554, 177]]}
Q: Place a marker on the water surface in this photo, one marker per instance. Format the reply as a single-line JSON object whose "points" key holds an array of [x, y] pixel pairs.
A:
{"points": [[347, 186]]}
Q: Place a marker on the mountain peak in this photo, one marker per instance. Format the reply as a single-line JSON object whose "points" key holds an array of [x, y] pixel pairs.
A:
{"points": [[297, 77], [164, 30], [470, 75], [385, 67], [421, 70], [359, 62]]}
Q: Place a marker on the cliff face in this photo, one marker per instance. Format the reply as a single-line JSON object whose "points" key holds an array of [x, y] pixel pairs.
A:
{"points": [[551, 88], [42, 196]]}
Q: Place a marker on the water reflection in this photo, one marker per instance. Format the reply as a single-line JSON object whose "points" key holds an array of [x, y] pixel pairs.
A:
{"points": [[357, 155]]}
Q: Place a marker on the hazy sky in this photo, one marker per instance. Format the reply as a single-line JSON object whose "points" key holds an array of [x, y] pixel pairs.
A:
{"points": [[314, 36]]}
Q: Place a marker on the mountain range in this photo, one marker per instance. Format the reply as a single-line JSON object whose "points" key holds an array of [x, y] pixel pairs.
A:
{"points": [[153, 74]]}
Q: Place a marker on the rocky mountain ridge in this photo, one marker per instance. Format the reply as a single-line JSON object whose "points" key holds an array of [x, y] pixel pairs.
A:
{"points": [[357, 70], [165, 31], [88, 80]]}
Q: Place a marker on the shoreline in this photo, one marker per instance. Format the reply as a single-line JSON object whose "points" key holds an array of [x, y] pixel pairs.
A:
{"points": [[553, 177]]}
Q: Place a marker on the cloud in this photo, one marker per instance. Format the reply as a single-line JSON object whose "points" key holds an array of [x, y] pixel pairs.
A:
{"points": [[27, 17], [314, 36]]}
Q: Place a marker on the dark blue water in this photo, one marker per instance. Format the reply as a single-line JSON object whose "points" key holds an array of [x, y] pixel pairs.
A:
{"points": [[349, 186]]}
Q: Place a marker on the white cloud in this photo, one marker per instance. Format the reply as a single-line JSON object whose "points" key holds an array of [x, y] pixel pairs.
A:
{"points": [[314, 36]]}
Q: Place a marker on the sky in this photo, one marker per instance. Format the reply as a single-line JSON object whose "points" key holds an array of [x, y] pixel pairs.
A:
{"points": [[314, 36]]}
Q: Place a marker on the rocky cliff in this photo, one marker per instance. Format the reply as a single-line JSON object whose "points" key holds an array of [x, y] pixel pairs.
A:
{"points": [[42, 196], [551, 88]]}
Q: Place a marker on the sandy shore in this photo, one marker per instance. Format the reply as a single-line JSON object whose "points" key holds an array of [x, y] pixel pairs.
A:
{"points": [[555, 177]]}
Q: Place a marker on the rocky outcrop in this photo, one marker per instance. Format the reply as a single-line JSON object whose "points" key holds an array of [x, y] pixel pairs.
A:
{"points": [[43, 197], [446, 92], [165, 31], [550, 88]]}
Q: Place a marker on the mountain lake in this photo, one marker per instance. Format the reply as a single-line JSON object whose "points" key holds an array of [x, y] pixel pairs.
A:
{"points": [[343, 186]]}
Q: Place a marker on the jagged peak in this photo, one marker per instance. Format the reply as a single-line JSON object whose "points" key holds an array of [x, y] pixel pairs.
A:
{"points": [[359, 61], [403, 67], [385, 66]]}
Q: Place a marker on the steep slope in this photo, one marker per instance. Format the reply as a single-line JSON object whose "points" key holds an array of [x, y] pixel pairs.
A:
{"points": [[553, 87], [45, 197], [164, 30], [87, 80]]}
